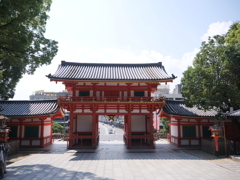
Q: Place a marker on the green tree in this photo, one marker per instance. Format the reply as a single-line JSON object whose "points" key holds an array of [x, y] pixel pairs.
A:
{"points": [[57, 128], [165, 122], [23, 47], [214, 79]]}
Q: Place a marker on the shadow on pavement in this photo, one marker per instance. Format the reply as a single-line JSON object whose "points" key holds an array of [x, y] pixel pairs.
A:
{"points": [[44, 171]]}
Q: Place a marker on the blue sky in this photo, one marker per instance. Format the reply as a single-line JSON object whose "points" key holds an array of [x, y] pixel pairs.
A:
{"points": [[130, 31]]}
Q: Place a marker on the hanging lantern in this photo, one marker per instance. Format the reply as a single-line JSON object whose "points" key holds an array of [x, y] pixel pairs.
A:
{"points": [[215, 130]]}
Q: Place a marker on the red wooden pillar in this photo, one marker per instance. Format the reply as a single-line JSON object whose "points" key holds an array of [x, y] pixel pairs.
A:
{"points": [[94, 129], [20, 132], [151, 129], [179, 132], [71, 130], [199, 133], [129, 130], [42, 132]]}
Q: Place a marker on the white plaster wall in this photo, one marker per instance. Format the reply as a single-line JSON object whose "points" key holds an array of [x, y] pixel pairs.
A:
{"points": [[47, 131], [27, 120], [184, 142], [100, 111], [78, 110], [91, 93], [36, 119], [135, 111], [77, 93], [87, 111], [25, 142], [13, 120], [138, 123], [112, 84], [122, 84], [98, 93], [111, 110], [174, 131], [125, 93], [194, 142], [84, 123], [36, 142], [146, 93], [193, 120], [122, 111], [132, 93]]}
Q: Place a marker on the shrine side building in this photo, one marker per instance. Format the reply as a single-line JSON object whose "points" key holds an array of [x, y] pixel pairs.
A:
{"points": [[110, 90], [189, 126], [31, 121]]}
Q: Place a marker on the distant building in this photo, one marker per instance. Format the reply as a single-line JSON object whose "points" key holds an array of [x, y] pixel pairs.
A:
{"points": [[42, 95], [164, 90]]}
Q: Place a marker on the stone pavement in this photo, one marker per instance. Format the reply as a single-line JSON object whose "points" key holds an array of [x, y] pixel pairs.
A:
{"points": [[111, 160]]}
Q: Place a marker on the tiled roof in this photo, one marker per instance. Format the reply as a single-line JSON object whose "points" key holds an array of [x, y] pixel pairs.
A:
{"points": [[178, 108], [29, 108], [106, 71], [233, 114]]}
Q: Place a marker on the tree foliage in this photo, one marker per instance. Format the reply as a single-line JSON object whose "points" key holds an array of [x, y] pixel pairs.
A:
{"points": [[214, 79], [23, 47], [57, 128], [165, 124]]}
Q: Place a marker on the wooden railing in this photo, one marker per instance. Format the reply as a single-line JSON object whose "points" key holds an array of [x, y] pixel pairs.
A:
{"points": [[141, 139], [107, 99]]}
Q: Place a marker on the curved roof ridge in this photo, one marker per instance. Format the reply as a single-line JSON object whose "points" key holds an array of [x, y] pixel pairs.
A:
{"points": [[64, 63]]}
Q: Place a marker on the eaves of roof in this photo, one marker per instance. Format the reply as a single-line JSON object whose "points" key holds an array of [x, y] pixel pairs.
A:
{"points": [[29, 108]]}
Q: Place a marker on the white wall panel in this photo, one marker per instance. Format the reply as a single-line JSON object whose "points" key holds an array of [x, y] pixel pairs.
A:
{"points": [[184, 142], [111, 110], [47, 131], [146, 93], [135, 111], [194, 142], [91, 93], [25, 142], [132, 93], [138, 123], [84, 123], [122, 111], [78, 110], [174, 131], [36, 119], [36, 142]]}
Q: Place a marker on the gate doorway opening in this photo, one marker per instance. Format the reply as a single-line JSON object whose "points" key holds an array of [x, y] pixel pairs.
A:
{"points": [[135, 130]]}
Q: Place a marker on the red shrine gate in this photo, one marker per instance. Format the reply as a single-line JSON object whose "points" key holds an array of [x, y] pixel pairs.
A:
{"points": [[111, 89]]}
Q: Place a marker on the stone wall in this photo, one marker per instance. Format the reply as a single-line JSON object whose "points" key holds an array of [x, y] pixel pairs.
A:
{"points": [[14, 147]]}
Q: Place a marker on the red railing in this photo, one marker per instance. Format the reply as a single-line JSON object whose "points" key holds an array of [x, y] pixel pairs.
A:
{"points": [[141, 139], [111, 99]]}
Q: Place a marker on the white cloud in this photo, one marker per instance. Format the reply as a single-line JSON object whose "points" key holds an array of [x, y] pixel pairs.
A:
{"points": [[217, 28]]}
